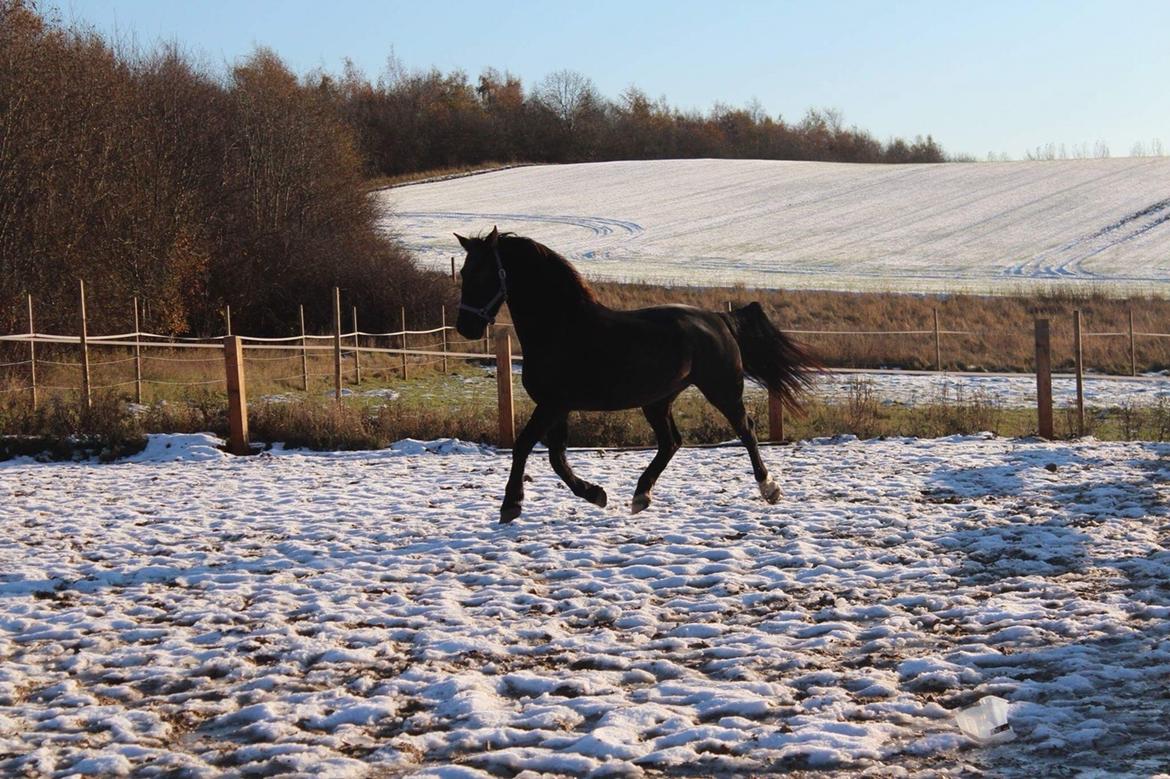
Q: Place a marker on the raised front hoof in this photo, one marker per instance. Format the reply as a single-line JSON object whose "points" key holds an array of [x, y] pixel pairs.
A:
{"points": [[640, 503], [770, 490], [508, 513], [596, 495]]}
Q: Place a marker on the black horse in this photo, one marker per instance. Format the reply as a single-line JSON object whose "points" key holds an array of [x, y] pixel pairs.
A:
{"points": [[582, 356]]}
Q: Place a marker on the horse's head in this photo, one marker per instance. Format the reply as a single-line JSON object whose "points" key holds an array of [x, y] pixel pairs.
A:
{"points": [[484, 287]]}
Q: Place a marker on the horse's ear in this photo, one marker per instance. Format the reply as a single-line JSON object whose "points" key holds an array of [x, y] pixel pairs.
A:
{"points": [[466, 244], [493, 237]]}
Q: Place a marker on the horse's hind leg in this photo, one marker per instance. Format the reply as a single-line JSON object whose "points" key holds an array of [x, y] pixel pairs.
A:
{"points": [[556, 439], [731, 406], [538, 426], [669, 440]]}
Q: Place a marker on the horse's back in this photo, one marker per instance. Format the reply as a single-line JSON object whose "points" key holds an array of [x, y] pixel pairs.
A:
{"points": [[701, 330]]}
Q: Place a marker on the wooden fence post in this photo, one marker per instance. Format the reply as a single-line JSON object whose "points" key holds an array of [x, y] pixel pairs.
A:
{"points": [[504, 388], [1043, 379], [453, 270], [937, 345], [1078, 359], [137, 356], [233, 357], [227, 318], [357, 364], [86, 399], [775, 418], [32, 354], [444, 332], [1132, 351], [405, 376], [304, 350], [337, 344], [487, 337]]}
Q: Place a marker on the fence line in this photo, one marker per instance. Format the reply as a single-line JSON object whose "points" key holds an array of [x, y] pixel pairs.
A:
{"points": [[217, 341], [277, 344], [237, 350]]}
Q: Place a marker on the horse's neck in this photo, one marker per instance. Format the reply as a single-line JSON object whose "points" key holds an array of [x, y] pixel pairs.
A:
{"points": [[546, 312]]}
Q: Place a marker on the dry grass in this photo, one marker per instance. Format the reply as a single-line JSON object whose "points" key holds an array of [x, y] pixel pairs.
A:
{"points": [[112, 427], [1001, 327]]}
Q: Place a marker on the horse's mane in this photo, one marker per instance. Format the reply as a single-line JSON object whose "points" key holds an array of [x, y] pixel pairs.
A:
{"points": [[543, 258]]}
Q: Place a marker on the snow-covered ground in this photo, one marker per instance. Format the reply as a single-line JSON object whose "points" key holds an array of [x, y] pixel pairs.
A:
{"points": [[189, 614], [954, 226], [1008, 391]]}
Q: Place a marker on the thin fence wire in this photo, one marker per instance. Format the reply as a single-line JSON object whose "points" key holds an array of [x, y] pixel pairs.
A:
{"points": [[185, 360], [183, 383], [277, 357], [288, 339], [861, 332], [95, 363]]}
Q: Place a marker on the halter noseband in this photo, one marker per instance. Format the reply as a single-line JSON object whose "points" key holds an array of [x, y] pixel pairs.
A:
{"points": [[488, 311]]}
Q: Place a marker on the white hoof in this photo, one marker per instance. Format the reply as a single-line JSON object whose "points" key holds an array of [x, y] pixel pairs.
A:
{"points": [[769, 489]]}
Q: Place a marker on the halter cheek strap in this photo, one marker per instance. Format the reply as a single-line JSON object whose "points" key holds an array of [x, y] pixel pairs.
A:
{"points": [[489, 310]]}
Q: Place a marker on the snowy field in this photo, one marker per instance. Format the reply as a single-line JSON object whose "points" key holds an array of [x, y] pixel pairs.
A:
{"points": [[955, 226], [191, 614]]}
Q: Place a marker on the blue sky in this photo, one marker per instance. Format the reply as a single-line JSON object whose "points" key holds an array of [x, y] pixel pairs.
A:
{"points": [[980, 77]]}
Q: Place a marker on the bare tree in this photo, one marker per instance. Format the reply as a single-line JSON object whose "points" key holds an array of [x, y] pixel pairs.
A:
{"points": [[567, 94]]}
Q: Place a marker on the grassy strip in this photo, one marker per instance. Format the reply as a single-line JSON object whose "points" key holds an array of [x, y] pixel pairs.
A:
{"points": [[184, 391], [463, 406]]}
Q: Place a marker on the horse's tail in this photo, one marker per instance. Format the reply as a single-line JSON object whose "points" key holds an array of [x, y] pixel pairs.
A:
{"points": [[770, 357]]}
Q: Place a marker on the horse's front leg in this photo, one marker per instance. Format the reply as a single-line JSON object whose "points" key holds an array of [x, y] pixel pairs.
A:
{"points": [[543, 418], [557, 439]]}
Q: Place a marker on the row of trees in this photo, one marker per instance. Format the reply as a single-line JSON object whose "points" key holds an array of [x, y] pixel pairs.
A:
{"points": [[147, 176], [411, 121], [1099, 150]]}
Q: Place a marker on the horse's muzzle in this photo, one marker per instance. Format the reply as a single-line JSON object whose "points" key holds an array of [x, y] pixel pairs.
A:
{"points": [[470, 326]]}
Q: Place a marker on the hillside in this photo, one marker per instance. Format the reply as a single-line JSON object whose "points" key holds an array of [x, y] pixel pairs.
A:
{"points": [[959, 226]]}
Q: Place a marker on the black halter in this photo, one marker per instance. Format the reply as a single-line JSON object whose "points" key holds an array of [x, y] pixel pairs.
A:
{"points": [[488, 311]]}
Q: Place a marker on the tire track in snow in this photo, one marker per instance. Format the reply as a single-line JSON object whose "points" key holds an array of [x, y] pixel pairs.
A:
{"points": [[1128, 228], [598, 225]]}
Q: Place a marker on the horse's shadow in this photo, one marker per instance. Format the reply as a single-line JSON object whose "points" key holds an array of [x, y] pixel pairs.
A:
{"points": [[1086, 670]]}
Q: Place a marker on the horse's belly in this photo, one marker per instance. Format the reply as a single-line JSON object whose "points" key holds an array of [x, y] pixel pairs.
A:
{"points": [[590, 392]]}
